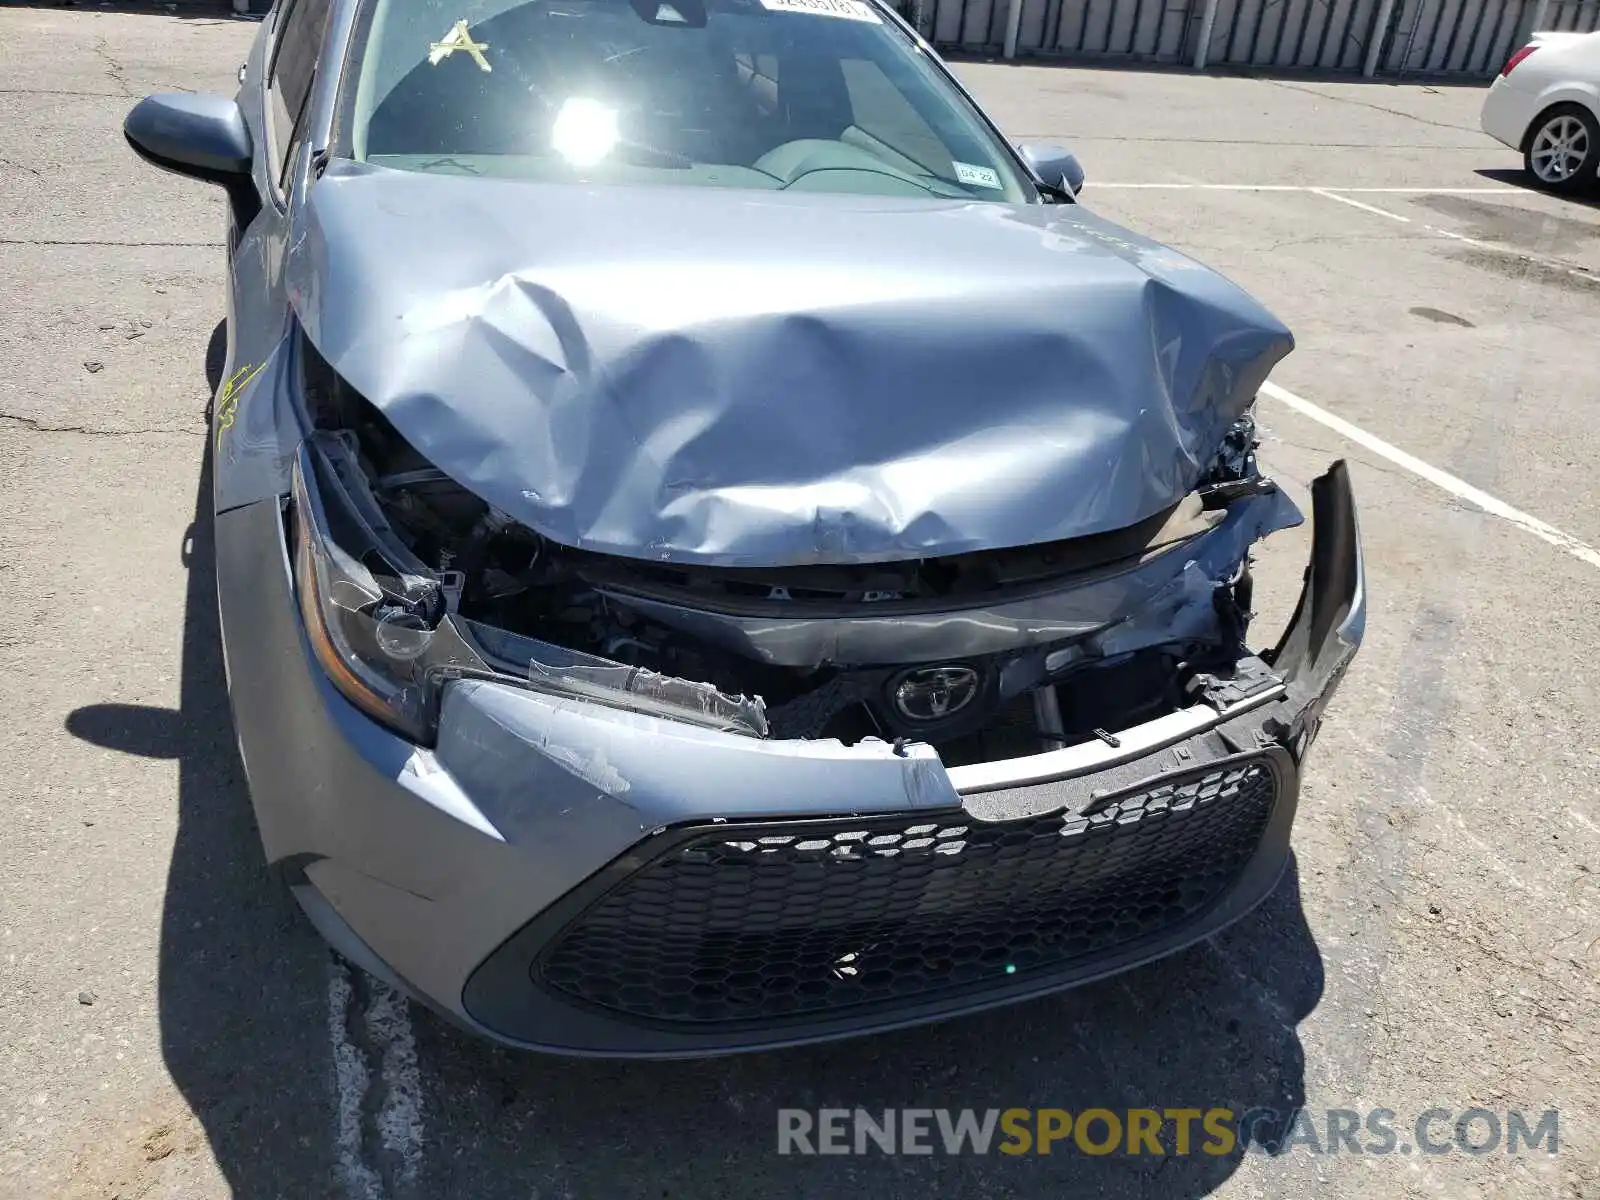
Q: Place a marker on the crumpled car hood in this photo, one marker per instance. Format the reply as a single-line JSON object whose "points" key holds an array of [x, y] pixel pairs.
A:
{"points": [[748, 378]]}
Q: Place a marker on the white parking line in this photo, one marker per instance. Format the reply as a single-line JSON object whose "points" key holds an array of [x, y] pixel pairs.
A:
{"points": [[1458, 488], [399, 1118], [1344, 196], [1506, 190], [1478, 243], [351, 1079], [1364, 207], [1443, 480]]}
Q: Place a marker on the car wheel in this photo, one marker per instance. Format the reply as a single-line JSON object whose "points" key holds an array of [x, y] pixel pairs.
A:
{"points": [[1562, 147]]}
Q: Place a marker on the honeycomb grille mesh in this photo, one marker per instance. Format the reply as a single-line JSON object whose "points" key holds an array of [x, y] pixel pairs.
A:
{"points": [[807, 919]]}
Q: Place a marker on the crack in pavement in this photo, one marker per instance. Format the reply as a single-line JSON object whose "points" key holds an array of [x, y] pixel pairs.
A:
{"points": [[5, 241], [34, 425], [34, 171], [1393, 112], [1222, 141], [352, 1076], [60, 92], [378, 1124], [102, 48], [1426, 701], [1336, 239]]}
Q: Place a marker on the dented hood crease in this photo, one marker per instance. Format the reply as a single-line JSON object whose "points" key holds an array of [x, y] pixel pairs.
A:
{"points": [[748, 378]]}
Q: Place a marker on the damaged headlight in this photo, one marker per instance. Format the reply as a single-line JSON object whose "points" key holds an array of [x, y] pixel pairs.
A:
{"points": [[383, 627], [377, 629]]}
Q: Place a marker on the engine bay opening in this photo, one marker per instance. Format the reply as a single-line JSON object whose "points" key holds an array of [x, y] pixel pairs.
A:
{"points": [[683, 631]]}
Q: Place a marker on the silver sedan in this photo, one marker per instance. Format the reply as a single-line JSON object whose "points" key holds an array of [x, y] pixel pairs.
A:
{"points": [[718, 549]]}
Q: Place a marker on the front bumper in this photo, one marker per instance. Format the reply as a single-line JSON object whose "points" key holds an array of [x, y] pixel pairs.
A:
{"points": [[583, 880]]}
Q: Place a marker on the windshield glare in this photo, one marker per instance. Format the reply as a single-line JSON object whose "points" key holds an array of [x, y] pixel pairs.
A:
{"points": [[797, 95]]}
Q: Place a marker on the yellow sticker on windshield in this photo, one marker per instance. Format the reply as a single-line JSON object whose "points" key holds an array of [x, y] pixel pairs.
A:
{"points": [[849, 10], [458, 39]]}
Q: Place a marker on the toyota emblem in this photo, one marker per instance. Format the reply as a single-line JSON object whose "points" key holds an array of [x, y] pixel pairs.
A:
{"points": [[934, 693]]}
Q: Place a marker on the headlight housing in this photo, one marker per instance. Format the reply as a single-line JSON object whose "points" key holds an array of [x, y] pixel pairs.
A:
{"points": [[383, 625], [377, 628]]}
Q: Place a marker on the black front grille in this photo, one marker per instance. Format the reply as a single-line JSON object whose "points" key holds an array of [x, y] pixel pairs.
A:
{"points": [[754, 923]]}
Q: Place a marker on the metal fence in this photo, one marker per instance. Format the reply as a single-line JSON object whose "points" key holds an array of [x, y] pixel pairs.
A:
{"points": [[1325, 35], [1387, 37]]}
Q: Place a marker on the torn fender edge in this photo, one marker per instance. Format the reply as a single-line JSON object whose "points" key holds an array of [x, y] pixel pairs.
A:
{"points": [[1331, 617]]}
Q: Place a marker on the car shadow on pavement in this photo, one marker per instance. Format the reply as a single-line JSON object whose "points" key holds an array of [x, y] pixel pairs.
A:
{"points": [[1588, 196], [1212, 1027], [242, 978], [244, 1004]]}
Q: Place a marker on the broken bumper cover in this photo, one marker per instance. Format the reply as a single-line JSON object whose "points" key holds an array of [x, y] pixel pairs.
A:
{"points": [[592, 881]]}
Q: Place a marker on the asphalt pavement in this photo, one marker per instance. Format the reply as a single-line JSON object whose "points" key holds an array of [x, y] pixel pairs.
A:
{"points": [[171, 1027]]}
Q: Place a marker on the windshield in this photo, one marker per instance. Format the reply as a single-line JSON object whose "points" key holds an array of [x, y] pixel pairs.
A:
{"points": [[797, 95]]}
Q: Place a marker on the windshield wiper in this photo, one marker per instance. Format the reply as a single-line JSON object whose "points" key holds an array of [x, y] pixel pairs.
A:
{"points": [[635, 151], [924, 176]]}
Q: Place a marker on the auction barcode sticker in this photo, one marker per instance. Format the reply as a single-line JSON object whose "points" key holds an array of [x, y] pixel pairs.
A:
{"points": [[849, 10]]}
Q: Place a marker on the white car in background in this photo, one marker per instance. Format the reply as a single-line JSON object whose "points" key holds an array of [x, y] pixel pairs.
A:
{"points": [[1545, 103]]}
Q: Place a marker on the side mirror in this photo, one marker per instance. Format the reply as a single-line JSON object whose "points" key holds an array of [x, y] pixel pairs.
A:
{"points": [[1054, 165], [198, 135]]}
